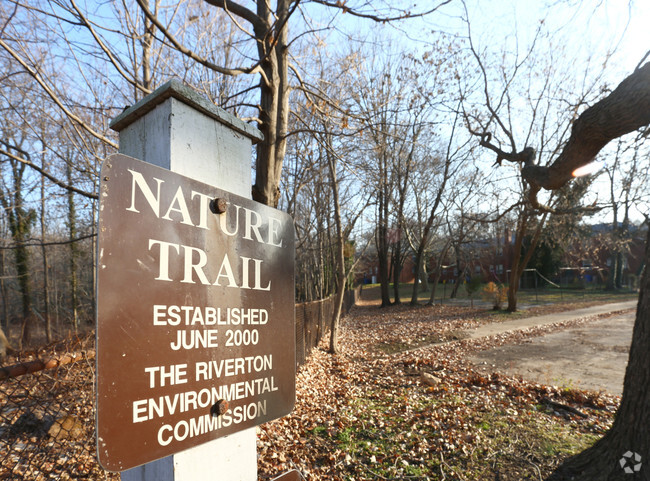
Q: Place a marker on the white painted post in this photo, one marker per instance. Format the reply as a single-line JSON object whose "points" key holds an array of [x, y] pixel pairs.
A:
{"points": [[177, 129]]}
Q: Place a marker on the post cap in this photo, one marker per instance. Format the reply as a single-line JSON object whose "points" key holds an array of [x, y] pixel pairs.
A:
{"points": [[176, 89]]}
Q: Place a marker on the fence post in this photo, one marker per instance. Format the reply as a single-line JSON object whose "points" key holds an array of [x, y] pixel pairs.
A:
{"points": [[177, 129]]}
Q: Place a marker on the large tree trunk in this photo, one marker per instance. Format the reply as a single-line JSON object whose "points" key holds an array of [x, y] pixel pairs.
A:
{"points": [[626, 109], [630, 429], [20, 220], [274, 101]]}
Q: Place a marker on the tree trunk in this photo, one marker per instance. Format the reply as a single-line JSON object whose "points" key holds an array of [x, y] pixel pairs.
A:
{"points": [[436, 280], [459, 276], [438, 272], [424, 277], [20, 221], [338, 308], [274, 100], [618, 278], [3, 291], [381, 238], [46, 279], [518, 263], [22, 270], [147, 45], [396, 264], [626, 109], [384, 279], [419, 259], [74, 253], [624, 234], [611, 275], [419, 256], [457, 282], [340, 257], [630, 429], [613, 268], [513, 281], [5, 347]]}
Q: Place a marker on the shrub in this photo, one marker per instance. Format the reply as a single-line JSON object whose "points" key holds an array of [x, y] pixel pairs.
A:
{"points": [[496, 294]]}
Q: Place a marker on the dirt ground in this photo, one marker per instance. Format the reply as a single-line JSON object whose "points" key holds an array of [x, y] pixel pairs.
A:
{"points": [[592, 356]]}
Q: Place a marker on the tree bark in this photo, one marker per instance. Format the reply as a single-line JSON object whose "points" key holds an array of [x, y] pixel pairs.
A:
{"points": [[626, 109], [438, 273], [434, 286], [513, 281], [274, 100], [381, 238], [46, 277], [73, 253], [630, 429], [340, 257], [397, 263], [20, 222], [518, 263]]}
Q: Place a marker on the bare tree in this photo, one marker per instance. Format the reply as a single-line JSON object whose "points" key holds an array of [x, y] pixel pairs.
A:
{"points": [[628, 181], [447, 166], [267, 28], [513, 111]]}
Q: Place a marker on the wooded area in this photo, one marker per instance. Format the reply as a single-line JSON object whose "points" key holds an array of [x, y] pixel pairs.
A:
{"points": [[377, 149], [383, 150]]}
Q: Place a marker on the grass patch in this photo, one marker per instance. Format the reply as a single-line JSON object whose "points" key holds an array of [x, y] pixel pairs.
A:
{"points": [[535, 444], [546, 295], [421, 435]]}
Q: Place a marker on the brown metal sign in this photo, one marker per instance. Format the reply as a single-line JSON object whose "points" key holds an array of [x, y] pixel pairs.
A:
{"points": [[195, 313], [292, 475]]}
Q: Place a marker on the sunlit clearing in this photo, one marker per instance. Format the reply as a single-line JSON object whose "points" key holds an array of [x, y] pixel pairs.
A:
{"points": [[587, 169]]}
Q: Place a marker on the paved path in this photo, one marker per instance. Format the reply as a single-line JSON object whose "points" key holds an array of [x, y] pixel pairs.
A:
{"points": [[591, 356], [516, 324]]}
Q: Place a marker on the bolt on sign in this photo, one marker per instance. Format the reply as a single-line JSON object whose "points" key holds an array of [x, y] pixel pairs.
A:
{"points": [[195, 313]]}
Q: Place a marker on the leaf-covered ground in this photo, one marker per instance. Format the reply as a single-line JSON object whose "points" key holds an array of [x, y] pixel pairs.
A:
{"points": [[399, 402]]}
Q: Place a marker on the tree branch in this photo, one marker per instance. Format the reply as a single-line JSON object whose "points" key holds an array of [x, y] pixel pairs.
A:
{"points": [[114, 60], [376, 18], [239, 10], [43, 172], [624, 110], [189, 53], [54, 96]]}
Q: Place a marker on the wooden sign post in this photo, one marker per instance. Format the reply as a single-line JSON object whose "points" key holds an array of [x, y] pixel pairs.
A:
{"points": [[189, 311]]}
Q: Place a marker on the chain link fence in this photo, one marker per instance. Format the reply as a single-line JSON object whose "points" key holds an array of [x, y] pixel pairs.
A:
{"points": [[47, 418]]}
